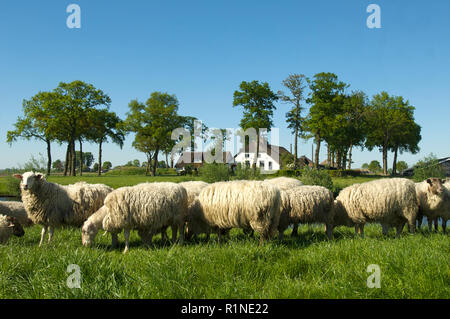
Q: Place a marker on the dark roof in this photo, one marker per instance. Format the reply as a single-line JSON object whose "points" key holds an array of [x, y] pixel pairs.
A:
{"points": [[187, 158]]}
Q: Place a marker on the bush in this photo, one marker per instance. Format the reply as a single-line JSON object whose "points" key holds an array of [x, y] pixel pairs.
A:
{"points": [[243, 172], [126, 170], [289, 172], [215, 172], [311, 176], [13, 186], [428, 167], [166, 171]]}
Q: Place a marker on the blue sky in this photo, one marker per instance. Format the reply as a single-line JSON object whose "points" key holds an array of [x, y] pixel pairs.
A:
{"points": [[201, 50]]}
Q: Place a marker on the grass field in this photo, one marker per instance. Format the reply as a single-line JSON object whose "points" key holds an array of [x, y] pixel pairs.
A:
{"points": [[309, 267], [306, 267]]}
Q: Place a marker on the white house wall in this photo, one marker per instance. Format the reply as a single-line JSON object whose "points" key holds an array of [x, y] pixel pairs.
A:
{"points": [[241, 159]]}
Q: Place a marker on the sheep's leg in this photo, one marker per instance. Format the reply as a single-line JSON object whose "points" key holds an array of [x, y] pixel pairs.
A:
{"points": [[295, 230], [444, 225], [208, 235], [329, 231], [361, 230], [43, 232], [436, 224], [114, 240], [51, 230], [164, 236], [419, 222], [181, 230], [385, 229], [411, 226], [399, 230], [174, 233], [219, 236], [430, 224], [126, 234], [261, 239]]}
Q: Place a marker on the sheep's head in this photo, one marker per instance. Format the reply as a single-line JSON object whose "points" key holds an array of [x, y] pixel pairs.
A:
{"points": [[88, 233], [30, 180], [435, 186], [15, 225], [341, 217]]}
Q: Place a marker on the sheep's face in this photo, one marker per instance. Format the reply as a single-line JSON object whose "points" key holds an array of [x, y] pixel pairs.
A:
{"points": [[88, 233], [341, 217], [15, 225], [29, 180], [435, 186]]}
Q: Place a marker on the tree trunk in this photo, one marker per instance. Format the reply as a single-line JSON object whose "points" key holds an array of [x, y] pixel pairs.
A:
{"points": [[167, 160], [350, 157], [394, 164], [338, 159], [316, 160], [344, 160], [257, 151], [333, 157], [149, 163], [328, 156], [296, 148], [171, 160], [385, 160], [74, 159], [66, 164], [155, 162], [100, 158], [49, 157], [81, 158]]}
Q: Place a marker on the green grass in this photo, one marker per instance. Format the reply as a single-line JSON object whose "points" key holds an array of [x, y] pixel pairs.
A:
{"points": [[308, 267]]}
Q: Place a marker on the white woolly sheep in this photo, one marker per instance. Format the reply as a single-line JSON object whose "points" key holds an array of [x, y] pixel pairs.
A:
{"points": [[389, 201], [285, 183], [92, 225], [148, 208], [430, 196], [9, 226], [444, 212], [307, 204], [17, 210], [242, 204], [52, 205], [195, 221]]}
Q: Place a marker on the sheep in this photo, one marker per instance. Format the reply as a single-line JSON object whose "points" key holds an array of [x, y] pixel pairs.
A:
{"points": [[9, 226], [148, 208], [307, 204], [92, 225], [285, 183], [444, 212], [195, 222], [17, 210], [242, 204], [52, 205], [430, 195], [390, 201]]}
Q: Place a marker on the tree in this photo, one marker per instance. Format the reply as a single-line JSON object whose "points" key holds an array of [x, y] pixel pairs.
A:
{"points": [[39, 122], [428, 167], [365, 166], [391, 126], [78, 100], [105, 125], [153, 123], [325, 99], [374, 166], [58, 165], [295, 83], [257, 100], [401, 166], [84, 160], [106, 166]]}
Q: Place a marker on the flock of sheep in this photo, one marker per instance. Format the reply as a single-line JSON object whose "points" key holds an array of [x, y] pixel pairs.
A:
{"points": [[193, 208]]}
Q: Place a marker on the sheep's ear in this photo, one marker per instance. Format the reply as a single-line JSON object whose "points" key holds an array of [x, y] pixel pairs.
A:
{"points": [[40, 176], [429, 181], [18, 176]]}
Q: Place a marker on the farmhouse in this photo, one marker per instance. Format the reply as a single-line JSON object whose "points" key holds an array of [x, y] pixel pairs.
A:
{"points": [[443, 162], [269, 156]]}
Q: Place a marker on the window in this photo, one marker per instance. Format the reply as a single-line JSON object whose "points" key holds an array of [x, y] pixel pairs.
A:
{"points": [[247, 155], [261, 164], [270, 165]]}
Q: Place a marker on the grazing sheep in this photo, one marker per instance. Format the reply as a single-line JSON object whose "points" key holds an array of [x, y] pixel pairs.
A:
{"points": [[148, 208], [307, 204], [242, 204], [430, 195], [444, 213], [92, 225], [195, 221], [52, 205], [9, 226], [389, 201], [285, 183], [17, 210]]}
